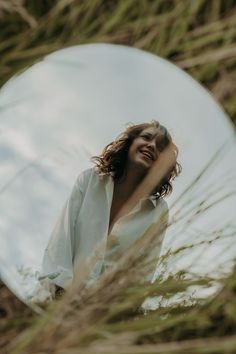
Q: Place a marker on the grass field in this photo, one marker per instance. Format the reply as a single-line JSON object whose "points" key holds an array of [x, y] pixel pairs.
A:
{"points": [[200, 37]]}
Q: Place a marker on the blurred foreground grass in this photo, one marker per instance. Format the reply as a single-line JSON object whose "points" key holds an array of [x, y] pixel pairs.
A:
{"points": [[200, 37], [107, 318]]}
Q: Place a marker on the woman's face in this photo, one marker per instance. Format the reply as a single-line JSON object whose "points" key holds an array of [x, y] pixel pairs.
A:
{"points": [[146, 148]]}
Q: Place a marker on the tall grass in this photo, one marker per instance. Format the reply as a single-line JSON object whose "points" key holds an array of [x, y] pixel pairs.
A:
{"points": [[200, 37], [109, 316]]}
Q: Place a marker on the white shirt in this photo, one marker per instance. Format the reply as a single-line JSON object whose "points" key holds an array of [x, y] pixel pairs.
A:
{"points": [[82, 228]]}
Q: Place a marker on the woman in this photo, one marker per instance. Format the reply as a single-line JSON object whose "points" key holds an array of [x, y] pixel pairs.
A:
{"points": [[113, 204]]}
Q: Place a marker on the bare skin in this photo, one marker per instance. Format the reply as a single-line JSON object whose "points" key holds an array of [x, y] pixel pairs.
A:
{"points": [[142, 157], [122, 191]]}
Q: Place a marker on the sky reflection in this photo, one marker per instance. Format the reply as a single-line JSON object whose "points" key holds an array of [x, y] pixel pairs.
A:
{"points": [[65, 109]]}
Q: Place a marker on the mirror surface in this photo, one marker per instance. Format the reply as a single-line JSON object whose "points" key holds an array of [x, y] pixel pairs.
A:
{"points": [[63, 110]]}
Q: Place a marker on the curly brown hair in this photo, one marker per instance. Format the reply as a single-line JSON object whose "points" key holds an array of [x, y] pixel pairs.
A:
{"points": [[113, 159]]}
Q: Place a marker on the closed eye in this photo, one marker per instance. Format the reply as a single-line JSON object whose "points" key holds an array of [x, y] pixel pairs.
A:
{"points": [[147, 136]]}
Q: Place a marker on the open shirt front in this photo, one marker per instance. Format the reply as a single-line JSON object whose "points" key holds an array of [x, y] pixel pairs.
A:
{"points": [[82, 229]]}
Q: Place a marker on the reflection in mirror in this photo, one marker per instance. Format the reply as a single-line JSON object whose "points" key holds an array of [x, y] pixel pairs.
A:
{"points": [[62, 111]]}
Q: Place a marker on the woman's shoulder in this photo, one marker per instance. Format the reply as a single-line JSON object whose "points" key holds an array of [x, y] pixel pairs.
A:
{"points": [[88, 177], [83, 178], [91, 173], [85, 174], [88, 172]]}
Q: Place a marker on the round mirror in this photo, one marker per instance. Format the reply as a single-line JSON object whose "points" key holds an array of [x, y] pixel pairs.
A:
{"points": [[65, 109]]}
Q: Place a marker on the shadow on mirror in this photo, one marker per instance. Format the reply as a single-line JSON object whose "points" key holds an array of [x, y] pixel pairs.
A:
{"points": [[65, 110]]}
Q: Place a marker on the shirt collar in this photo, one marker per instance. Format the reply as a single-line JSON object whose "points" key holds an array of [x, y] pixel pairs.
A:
{"points": [[110, 185], [151, 199]]}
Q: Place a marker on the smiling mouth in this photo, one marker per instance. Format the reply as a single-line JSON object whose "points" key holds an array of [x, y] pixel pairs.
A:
{"points": [[147, 155]]}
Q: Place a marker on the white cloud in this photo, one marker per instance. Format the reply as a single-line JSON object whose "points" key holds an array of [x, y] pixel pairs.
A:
{"points": [[72, 105]]}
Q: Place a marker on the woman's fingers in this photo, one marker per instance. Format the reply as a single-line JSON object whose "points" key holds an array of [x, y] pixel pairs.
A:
{"points": [[160, 169]]}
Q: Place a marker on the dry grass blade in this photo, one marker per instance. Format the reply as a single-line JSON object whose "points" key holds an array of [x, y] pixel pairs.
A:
{"points": [[213, 56], [209, 345], [199, 36]]}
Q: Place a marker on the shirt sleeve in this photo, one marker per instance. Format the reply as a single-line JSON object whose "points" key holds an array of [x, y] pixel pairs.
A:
{"points": [[161, 227], [57, 264]]}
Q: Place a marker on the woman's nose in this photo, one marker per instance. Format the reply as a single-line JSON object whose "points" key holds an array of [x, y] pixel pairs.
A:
{"points": [[153, 147], [152, 144]]}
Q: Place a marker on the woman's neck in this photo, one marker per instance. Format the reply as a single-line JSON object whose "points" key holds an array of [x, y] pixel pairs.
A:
{"points": [[123, 190], [128, 183]]}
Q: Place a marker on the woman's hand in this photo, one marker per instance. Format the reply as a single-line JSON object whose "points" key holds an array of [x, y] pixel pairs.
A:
{"points": [[161, 168]]}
